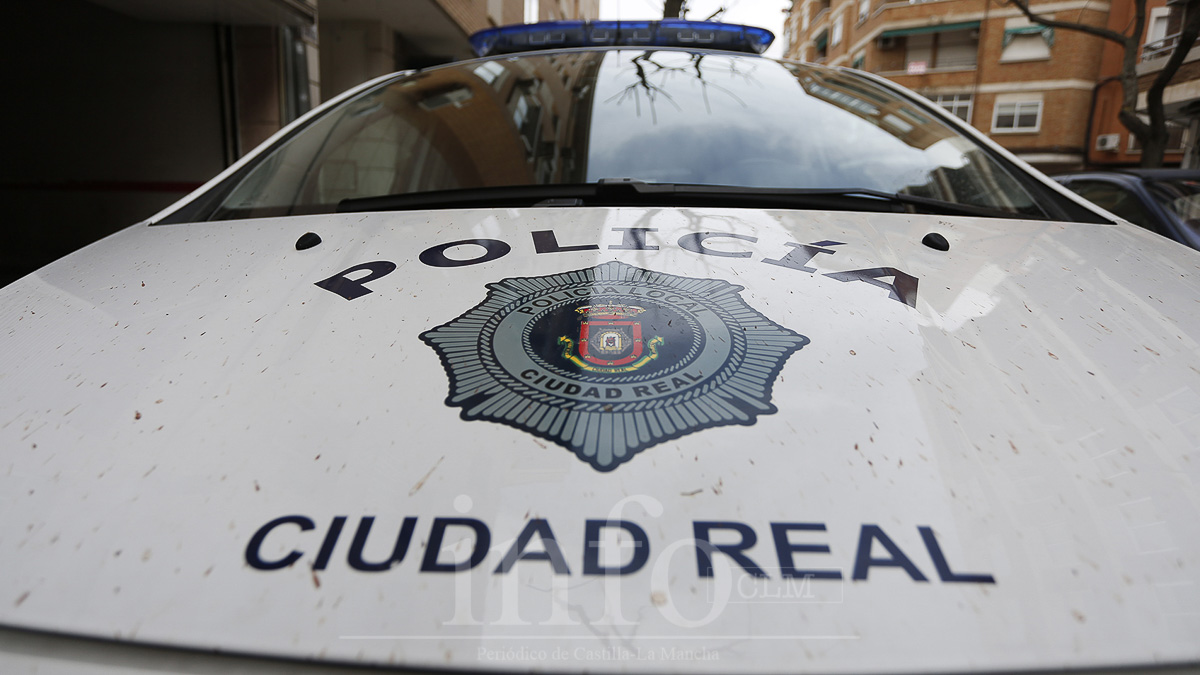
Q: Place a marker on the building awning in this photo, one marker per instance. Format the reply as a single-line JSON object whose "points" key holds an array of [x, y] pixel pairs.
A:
{"points": [[937, 28], [1046, 32]]}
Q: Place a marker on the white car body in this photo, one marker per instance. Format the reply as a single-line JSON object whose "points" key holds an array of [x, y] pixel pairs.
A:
{"points": [[995, 469]]}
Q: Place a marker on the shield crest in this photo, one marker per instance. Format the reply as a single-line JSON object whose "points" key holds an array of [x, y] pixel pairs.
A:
{"points": [[610, 343], [610, 335]]}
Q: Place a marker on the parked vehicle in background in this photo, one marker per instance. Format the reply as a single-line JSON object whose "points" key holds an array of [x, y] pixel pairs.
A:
{"points": [[1164, 201]]}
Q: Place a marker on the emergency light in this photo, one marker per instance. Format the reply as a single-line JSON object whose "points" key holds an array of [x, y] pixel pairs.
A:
{"points": [[665, 33]]}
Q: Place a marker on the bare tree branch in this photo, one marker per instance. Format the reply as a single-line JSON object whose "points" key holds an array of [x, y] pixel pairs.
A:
{"points": [[1105, 33], [1127, 115]]}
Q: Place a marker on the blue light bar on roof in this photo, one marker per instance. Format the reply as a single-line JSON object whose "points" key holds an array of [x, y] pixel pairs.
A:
{"points": [[665, 33]]}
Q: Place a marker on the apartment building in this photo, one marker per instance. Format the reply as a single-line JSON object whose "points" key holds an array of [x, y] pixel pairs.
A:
{"points": [[1027, 86], [1111, 144]]}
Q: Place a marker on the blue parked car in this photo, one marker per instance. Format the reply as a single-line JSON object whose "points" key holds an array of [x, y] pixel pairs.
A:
{"points": [[1166, 201]]}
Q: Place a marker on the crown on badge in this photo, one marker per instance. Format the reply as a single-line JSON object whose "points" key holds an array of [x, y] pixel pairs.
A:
{"points": [[609, 311]]}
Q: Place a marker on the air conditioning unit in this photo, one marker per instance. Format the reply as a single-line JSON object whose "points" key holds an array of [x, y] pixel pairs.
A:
{"points": [[1108, 142], [887, 42]]}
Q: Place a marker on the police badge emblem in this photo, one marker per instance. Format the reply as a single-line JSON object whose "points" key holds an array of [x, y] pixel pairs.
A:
{"points": [[610, 360]]}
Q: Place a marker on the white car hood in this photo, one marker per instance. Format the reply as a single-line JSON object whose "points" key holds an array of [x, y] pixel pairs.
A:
{"points": [[1030, 416]]}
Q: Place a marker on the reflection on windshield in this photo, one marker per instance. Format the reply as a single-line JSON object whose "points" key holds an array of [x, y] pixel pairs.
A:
{"points": [[650, 71], [657, 116]]}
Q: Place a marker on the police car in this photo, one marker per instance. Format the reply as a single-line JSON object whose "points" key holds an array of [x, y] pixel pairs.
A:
{"points": [[632, 354]]}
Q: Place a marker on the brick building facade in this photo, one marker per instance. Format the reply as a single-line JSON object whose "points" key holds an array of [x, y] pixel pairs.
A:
{"points": [[1111, 144], [1026, 86]]}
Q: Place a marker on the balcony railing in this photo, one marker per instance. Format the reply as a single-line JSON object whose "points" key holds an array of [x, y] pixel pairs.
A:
{"points": [[1160, 48]]}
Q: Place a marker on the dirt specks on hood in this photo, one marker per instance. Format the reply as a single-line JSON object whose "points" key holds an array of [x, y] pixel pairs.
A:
{"points": [[421, 483]]}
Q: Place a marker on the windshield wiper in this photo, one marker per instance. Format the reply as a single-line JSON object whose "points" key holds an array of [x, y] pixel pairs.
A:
{"points": [[628, 192]]}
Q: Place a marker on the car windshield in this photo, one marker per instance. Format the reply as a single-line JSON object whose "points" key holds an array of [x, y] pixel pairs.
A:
{"points": [[1181, 197], [661, 116]]}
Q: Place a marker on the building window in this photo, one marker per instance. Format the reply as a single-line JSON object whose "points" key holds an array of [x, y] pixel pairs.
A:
{"points": [[1025, 48], [860, 61], [958, 105], [804, 17], [1156, 27], [1176, 137], [1158, 43], [864, 9], [1025, 41], [835, 31], [1017, 116], [948, 49], [822, 45], [918, 52], [957, 48]]}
